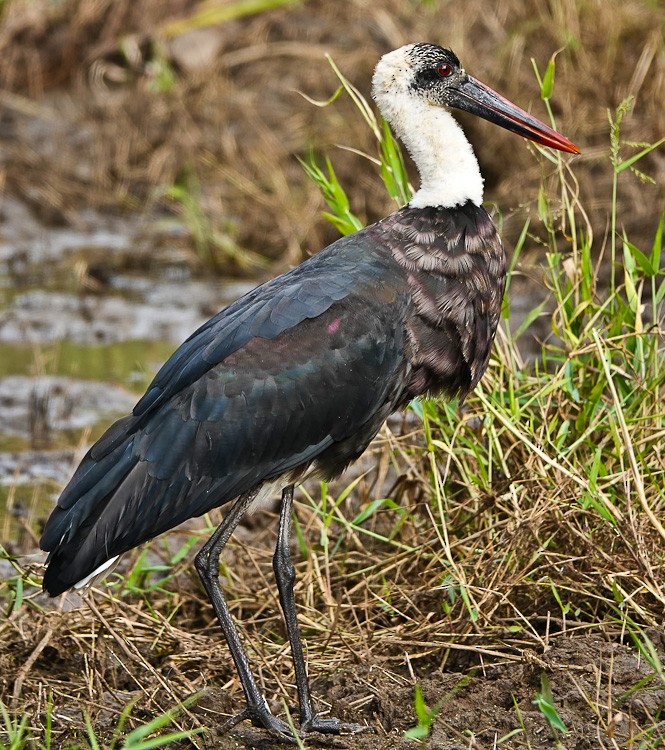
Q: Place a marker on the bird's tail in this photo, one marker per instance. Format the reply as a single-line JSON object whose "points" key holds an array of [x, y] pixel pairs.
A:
{"points": [[102, 471]]}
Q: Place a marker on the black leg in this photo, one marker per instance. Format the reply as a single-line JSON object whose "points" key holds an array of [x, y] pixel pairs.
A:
{"points": [[285, 575], [207, 565]]}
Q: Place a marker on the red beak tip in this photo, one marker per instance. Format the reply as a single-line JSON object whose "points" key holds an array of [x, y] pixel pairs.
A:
{"points": [[565, 145], [560, 144]]}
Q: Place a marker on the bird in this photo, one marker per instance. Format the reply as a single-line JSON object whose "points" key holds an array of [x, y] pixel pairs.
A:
{"points": [[297, 377]]}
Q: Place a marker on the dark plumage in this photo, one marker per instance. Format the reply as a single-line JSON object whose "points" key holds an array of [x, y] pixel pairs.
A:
{"points": [[304, 369], [300, 374]]}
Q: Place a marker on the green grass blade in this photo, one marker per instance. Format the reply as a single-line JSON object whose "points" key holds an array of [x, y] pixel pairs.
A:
{"points": [[545, 703]]}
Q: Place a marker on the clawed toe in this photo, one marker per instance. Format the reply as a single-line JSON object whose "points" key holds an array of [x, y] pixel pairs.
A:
{"points": [[261, 717]]}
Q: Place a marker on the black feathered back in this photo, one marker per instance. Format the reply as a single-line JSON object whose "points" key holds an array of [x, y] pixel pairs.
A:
{"points": [[300, 372]]}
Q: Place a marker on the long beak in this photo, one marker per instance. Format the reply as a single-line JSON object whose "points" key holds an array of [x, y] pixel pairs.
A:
{"points": [[475, 97]]}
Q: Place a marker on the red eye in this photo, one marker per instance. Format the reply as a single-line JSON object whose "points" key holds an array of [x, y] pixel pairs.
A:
{"points": [[445, 69]]}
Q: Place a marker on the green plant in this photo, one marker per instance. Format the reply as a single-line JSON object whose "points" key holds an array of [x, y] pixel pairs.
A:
{"points": [[545, 704], [212, 14], [389, 161], [333, 194], [212, 244], [143, 737], [146, 576], [647, 649], [13, 587], [427, 715], [14, 729], [424, 715]]}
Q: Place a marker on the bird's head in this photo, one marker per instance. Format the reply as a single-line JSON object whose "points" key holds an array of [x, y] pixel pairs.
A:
{"points": [[427, 73]]}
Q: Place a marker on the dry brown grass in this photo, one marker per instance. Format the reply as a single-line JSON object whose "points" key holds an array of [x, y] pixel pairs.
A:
{"points": [[114, 141]]}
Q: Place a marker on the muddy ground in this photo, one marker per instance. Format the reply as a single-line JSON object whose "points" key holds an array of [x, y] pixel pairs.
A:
{"points": [[102, 656], [138, 163]]}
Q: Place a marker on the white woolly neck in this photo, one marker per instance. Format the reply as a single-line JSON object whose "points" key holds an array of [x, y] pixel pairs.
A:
{"points": [[449, 171]]}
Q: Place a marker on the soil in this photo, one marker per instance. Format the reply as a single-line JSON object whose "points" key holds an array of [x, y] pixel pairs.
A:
{"points": [[605, 693], [489, 705]]}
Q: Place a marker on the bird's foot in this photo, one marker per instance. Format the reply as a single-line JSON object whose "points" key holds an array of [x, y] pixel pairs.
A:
{"points": [[330, 725], [260, 716]]}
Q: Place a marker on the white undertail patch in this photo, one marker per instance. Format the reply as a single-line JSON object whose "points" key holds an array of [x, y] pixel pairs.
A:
{"points": [[98, 573]]}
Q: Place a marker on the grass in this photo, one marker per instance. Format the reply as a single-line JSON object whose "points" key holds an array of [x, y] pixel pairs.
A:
{"points": [[486, 536], [215, 247], [545, 703], [424, 714], [146, 736]]}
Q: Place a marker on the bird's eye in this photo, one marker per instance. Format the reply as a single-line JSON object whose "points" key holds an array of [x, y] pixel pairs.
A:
{"points": [[445, 69]]}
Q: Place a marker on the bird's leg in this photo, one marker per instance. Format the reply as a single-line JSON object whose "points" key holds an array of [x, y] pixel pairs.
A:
{"points": [[285, 575], [207, 565]]}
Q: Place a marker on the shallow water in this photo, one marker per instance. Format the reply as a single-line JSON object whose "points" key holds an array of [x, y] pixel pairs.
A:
{"points": [[87, 316]]}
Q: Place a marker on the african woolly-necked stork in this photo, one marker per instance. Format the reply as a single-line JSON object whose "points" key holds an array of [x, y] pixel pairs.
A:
{"points": [[297, 376]]}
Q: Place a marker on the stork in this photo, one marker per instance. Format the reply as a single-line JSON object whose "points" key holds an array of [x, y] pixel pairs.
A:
{"points": [[296, 378]]}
